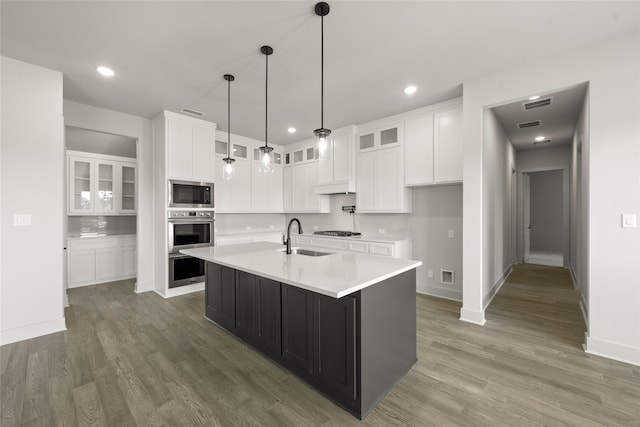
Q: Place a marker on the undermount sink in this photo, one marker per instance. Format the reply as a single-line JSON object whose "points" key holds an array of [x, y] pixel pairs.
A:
{"points": [[307, 252]]}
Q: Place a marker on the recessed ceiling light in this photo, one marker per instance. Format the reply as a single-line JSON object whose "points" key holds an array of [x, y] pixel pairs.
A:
{"points": [[534, 97], [105, 71], [291, 130], [540, 138], [410, 90]]}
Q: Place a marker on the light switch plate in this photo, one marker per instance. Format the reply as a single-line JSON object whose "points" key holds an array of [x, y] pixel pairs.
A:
{"points": [[450, 234], [629, 221], [22, 220]]}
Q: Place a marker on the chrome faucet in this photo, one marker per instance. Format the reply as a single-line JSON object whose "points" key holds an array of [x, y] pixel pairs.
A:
{"points": [[288, 239]]}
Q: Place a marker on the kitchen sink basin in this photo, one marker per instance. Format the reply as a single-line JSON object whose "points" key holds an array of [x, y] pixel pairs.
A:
{"points": [[307, 252]]}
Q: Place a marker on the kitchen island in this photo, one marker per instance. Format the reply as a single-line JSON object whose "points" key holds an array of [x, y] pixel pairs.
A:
{"points": [[343, 322]]}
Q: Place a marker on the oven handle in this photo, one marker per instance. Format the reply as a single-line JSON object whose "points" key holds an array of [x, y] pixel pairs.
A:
{"points": [[182, 220]]}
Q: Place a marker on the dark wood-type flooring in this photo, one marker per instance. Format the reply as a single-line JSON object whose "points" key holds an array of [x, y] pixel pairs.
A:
{"points": [[136, 359]]}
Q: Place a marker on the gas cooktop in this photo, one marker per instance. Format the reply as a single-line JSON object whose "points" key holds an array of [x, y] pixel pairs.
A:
{"points": [[338, 233]]}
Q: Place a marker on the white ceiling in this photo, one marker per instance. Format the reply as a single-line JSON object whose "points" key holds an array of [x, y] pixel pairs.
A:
{"points": [[173, 54], [557, 121]]}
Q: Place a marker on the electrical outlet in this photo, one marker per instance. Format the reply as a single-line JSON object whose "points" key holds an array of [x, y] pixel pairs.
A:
{"points": [[430, 273], [450, 234], [629, 221], [22, 220], [248, 228], [315, 227], [381, 231], [271, 227]]}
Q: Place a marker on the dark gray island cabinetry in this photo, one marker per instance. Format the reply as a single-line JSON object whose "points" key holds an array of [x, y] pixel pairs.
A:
{"points": [[352, 349]]}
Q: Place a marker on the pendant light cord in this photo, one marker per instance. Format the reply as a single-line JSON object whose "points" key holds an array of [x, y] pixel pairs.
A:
{"points": [[229, 119], [266, 100], [322, 72]]}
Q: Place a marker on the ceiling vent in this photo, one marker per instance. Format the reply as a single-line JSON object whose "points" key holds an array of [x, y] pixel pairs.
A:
{"points": [[537, 104], [529, 124], [544, 141], [192, 112]]}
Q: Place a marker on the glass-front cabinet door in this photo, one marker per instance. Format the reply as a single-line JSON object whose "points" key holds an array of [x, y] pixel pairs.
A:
{"points": [[105, 187], [128, 189], [80, 185]]}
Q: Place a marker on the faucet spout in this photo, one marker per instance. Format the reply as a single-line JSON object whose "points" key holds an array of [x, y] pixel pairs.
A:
{"points": [[288, 241]]}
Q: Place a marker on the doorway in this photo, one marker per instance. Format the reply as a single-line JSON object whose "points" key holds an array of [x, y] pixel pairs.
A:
{"points": [[543, 224]]}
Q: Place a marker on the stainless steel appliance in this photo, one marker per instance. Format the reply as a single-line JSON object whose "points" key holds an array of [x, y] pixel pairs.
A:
{"points": [[190, 229], [338, 233], [185, 270], [190, 194]]}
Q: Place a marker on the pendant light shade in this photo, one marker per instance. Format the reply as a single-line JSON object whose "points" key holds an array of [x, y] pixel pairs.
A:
{"points": [[266, 152], [322, 134], [227, 172]]}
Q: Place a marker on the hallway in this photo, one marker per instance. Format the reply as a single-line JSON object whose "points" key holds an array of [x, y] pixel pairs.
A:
{"points": [[541, 302]]}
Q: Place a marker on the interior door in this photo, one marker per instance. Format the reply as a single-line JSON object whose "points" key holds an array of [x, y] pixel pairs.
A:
{"points": [[526, 223]]}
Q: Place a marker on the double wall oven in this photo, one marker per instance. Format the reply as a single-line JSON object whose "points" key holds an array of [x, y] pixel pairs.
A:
{"points": [[188, 229]]}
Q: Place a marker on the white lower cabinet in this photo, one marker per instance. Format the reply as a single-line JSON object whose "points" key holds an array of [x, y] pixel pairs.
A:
{"points": [[395, 248], [96, 260], [235, 239]]}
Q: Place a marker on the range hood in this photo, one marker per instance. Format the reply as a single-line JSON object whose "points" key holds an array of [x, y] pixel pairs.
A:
{"points": [[341, 187]]}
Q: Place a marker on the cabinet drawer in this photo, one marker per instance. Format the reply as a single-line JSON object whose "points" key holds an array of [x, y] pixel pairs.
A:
{"points": [[381, 249], [329, 243], [359, 247]]}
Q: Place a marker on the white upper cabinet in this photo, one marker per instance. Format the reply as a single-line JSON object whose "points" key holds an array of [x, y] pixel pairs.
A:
{"points": [[380, 137], [380, 183], [433, 146], [300, 176], [249, 190], [380, 177], [267, 189], [100, 184], [336, 173], [190, 148], [447, 148]]}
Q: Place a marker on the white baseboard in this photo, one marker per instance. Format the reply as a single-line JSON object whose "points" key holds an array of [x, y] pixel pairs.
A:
{"points": [[141, 287], [439, 291], [610, 350], [182, 290], [8, 336], [472, 316], [574, 278], [496, 287]]}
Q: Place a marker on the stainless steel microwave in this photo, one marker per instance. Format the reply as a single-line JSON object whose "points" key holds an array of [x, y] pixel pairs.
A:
{"points": [[190, 194]]}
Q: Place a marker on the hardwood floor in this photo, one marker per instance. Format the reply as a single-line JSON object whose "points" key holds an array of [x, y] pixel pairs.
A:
{"points": [[137, 359]]}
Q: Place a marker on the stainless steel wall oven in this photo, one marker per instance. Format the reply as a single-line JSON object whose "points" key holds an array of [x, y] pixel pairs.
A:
{"points": [[188, 229]]}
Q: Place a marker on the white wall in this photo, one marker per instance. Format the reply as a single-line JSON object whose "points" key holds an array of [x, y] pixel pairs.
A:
{"points": [[435, 210], [546, 199], [612, 69], [497, 211], [102, 120], [544, 159], [32, 170]]}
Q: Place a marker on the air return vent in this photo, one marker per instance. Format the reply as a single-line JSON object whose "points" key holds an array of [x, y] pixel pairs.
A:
{"points": [[537, 104], [529, 124], [544, 141], [193, 112]]}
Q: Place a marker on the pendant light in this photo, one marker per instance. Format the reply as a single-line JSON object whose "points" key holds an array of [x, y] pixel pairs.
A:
{"points": [[227, 172], [266, 152], [322, 134]]}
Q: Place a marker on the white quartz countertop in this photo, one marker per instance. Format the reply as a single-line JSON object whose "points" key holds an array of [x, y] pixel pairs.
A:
{"points": [[335, 275]]}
